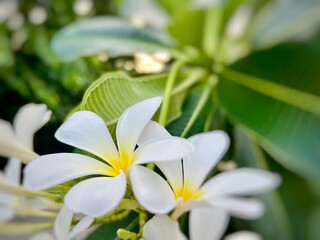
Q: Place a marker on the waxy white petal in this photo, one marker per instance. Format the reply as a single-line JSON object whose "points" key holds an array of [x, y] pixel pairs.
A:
{"points": [[151, 190], [12, 171], [10, 146], [162, 227], [207, 223], [173, 169], [173, 172], [81, 226], [28, 120], [62, 224], [209, 149], [97, 196], [132, 122], [243, 181], [6, 128], [87, 131], [240, 207], [53, 169], [162, 149], [151, 131], [243, 235]]}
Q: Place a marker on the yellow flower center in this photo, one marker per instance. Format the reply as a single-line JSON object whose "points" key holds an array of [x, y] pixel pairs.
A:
{"points": [[187, 193], [123, 163]]}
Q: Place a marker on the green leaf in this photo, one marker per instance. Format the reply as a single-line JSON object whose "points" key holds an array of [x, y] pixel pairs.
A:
{"points": [[109, 231], [283, 20], [187, 29], [277, 97], [113, 93], [113, 35], [194, 113], [275, 223], [6, 54]]}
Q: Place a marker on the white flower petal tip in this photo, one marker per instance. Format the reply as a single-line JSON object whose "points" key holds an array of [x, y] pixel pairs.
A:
{"points": [[162, 227], [28, 120], [240, 207], [97, 196], [152, 131], [242, 181], [87, 131], [163, 149], [151, 190], [209, 149], [132, 123], [53, 169], [243, 235]]}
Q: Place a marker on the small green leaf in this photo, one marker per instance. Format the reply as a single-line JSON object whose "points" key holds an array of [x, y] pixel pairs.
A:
{"points": [[113, 35], [6, 54]]}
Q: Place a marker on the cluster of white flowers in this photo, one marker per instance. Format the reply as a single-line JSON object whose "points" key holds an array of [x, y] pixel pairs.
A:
{"points": [[89, 190]]}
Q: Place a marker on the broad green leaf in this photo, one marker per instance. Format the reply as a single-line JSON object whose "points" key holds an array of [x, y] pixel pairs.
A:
{"points": [[281, 21], [113, 93], [275, 223], [277, 96], [113, 35], [194, 113]]}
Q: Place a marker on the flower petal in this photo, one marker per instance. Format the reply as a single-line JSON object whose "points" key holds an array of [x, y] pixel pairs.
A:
{"points": [[12, 171], [242, 181], [81, 226], [243, 235], [173, 169], [63, 223], [87, 131], [132, 122], [151, 190], [209, 149], [162, 149], [6, 127], [6, 212], [240, 207], [208, 223], [28, 120], [10, 146], [50, 170], [162, 227], [151, 131], [97, 196], [173, 172]]}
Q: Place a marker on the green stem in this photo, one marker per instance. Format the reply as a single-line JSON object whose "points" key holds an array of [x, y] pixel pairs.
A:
{"points": [[202, 101], [193, 77], [290, 96], [168, 91]]}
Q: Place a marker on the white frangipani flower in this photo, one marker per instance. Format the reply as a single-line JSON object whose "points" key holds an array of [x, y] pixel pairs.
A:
{"points": [[62, 227], [163, 227], [17, 141], [85, 130], [186, 181]]}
